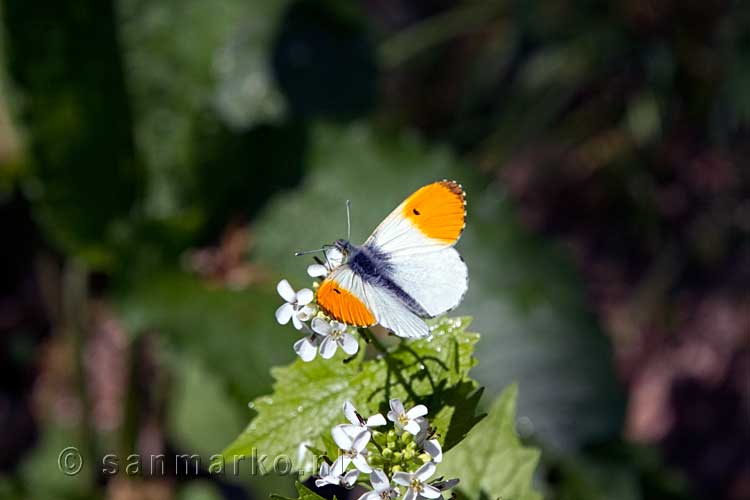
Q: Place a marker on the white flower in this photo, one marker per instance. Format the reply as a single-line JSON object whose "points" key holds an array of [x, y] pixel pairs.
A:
{"points": [[334, 258], [306, 348], [297, 307], [406, 420], [415, 482], [335, 335], [433, 448], [353, 448], [317, 270], [358, 423], [381, 487], [336, 474]]}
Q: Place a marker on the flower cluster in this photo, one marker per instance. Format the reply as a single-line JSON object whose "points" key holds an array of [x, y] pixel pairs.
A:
{"points": [[399, 461], [322, 334]]}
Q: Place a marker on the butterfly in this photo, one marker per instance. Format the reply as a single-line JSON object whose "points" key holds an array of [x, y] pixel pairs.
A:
{"points": [[407, 270]]}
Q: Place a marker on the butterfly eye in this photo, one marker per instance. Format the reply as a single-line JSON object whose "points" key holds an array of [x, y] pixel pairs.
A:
{"points": [[416, 212]]}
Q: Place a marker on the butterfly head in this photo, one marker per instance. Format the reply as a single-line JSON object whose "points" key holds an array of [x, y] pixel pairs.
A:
{"points": [[343, 246]]}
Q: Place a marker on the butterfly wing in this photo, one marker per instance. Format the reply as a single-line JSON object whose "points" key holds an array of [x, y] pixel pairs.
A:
{"points": [[417, 238], [432, 218], [436, 279], [348, 298]]}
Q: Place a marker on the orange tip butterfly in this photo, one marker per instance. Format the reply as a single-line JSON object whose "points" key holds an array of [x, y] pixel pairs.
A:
{"points": [[407, 269]]}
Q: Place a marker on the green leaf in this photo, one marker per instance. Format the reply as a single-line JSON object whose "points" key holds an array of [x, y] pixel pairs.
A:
{"points": [[304, 494], [308, 397], [491, 461]]}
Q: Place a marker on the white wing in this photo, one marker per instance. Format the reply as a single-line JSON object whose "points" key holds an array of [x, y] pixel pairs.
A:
{"points": [[393, 314], [436, 279], [344, 294]]}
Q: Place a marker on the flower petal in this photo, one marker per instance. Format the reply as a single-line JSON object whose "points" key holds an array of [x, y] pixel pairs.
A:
{"points": [[338, 467], [349, 344], [370, 495], [425, 472], [352, 430], [361, 463], [317, 271], [411, 494], [286, 291], [306, 313], [305, 349], [429, 491], [402, 478], [342, 440], [424, 427], [412, 427], [335, 256], [396, 406], [434, 449], [325, 469], [417, 411], [379, 480], [322, 481], [296, 321], [284, 313], [304, 297], [327, 348], [321, 326], [350, 478], [376, 420], [350, 412], [360, 441]]}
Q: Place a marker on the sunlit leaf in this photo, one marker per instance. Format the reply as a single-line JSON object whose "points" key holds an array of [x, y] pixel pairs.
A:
{"points": [[491, 462], [307, 399]]}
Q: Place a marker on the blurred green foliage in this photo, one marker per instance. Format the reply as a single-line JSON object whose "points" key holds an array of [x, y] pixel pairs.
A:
{"points": [[149, 127]]}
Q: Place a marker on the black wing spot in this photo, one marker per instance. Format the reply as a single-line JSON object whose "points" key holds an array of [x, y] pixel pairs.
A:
{"points": [[416, 212], [337, 291]]}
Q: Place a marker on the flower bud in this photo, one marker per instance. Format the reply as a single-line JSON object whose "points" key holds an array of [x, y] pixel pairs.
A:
{"points": [[387, 454], [396, 468], [425, 457], [391, 437], [397, 456], [379, 438], [407, 438]]}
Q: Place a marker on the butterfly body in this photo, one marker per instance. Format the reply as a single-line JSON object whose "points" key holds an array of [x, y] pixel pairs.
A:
{"points": [[406, 270]]}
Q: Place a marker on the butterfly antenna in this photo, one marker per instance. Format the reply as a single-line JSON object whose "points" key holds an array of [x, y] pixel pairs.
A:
{"points": [[305, 252], [348, 221]]}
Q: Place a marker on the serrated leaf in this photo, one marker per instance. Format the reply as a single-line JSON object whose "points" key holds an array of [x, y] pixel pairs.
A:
{"points": [[491, 461], [308, 397], [304, 493]]}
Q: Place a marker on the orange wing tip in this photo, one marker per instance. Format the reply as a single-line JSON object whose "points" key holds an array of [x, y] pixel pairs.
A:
{"points": [[438, 210], [342, 305]]}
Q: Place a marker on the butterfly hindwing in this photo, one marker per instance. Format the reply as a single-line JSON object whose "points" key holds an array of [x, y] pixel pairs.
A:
{"points": [[348, 298], [341, 295], [436, 279]]}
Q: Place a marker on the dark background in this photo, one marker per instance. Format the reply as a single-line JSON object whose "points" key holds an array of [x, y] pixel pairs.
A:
{"points": [[160, 161]]}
